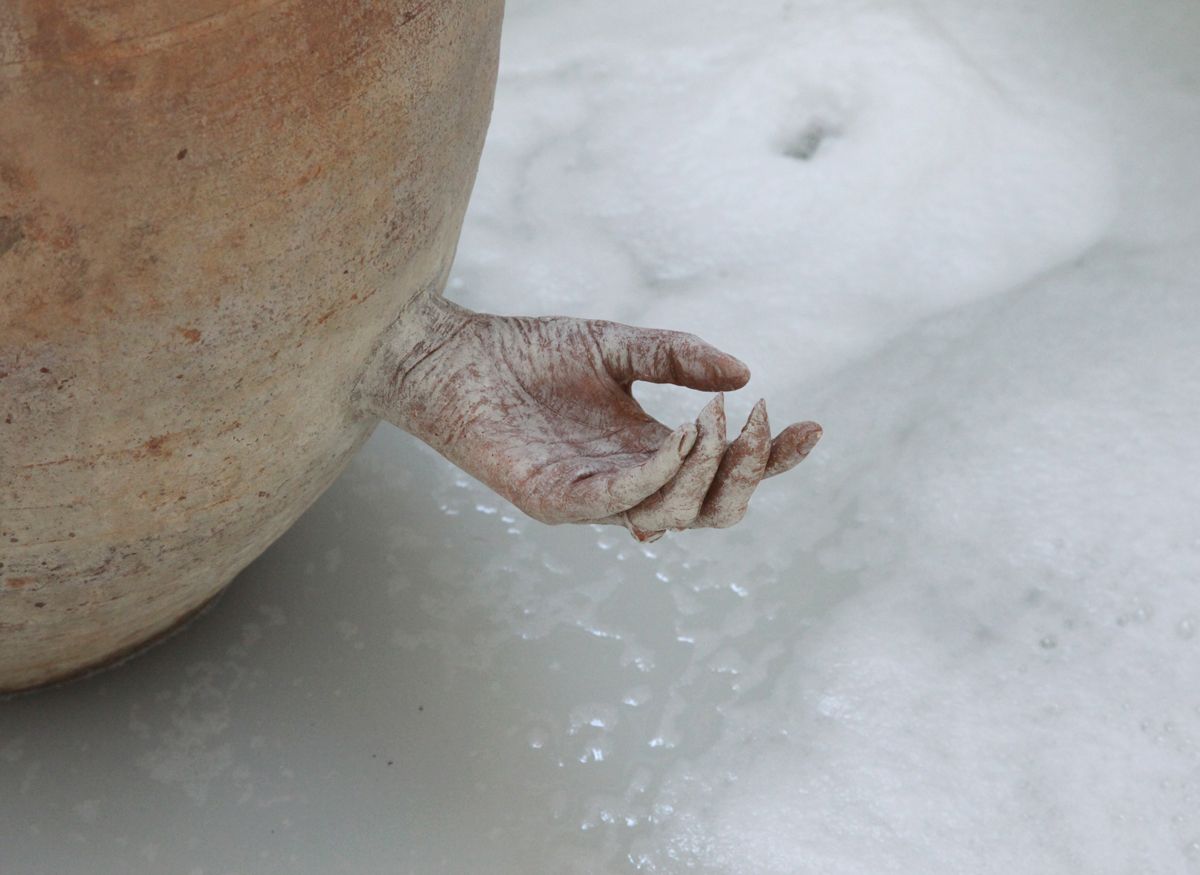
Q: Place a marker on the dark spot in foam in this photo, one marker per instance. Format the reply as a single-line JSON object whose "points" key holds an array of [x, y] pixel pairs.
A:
{"points": [[181, 155], [804, 144]]}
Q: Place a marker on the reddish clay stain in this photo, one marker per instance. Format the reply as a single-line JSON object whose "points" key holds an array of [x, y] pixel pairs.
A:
{"points": [[156, 446], [191, 335]]}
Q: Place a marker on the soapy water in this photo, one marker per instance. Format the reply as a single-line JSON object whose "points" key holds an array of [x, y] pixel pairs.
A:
{"points": [[961, 637]]}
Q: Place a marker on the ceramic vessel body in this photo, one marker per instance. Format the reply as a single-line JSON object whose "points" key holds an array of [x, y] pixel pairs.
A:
{"points": [[210, 212]]}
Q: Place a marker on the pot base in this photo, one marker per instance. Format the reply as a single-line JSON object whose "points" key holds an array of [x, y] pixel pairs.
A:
{"points": [[112, 660]]}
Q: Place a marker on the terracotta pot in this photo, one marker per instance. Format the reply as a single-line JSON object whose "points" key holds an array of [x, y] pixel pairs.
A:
{"points": [[210, 212]]}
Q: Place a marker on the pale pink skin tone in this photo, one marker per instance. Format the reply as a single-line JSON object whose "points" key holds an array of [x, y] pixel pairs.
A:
{"points": [[540, 410]]}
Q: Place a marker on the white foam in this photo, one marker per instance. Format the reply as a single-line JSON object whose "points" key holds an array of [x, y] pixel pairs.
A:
{"points": [[1012, 689], [830, 175], [961, 637]]}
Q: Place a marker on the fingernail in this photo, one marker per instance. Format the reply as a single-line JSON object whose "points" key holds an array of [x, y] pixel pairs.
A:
{"points": [[811, 439]]}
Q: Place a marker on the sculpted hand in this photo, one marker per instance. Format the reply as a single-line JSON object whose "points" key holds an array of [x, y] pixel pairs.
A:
{"points": [[540, 410]]}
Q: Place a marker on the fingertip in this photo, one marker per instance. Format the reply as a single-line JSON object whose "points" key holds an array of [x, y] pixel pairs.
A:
{"points": [[678, 443], [791, 446], [711, 420], [710, 369], [738, 372], [757, 427], [633, 485], [802, 436], [811, 433]]}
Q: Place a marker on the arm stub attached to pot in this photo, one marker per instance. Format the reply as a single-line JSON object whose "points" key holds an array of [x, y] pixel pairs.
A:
{"points": [[540, 410]]}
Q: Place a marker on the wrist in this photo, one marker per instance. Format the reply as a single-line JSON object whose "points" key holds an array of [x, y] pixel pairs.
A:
{"points": [[401, 380]]}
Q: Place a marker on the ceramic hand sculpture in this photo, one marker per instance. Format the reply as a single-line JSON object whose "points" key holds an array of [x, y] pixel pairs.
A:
{"points": [[540, 410]]}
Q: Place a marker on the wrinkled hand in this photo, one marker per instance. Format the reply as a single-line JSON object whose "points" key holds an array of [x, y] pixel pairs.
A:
{"points": [[540, 410]]}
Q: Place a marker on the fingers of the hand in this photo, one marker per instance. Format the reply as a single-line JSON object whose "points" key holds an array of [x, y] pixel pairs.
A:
{"points": [[684, 495], [680, 501], [739, 474], [668, 357], [791, 446], [603, 495]]}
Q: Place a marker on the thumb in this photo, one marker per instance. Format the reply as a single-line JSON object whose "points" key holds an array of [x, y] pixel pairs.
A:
{"points": [[658, 356]]}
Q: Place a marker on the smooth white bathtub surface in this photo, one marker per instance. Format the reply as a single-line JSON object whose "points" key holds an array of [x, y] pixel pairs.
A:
{"points": [[964, 235]]}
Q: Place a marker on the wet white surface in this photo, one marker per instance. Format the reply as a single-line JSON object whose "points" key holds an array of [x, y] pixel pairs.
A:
{"points": [[963, 637]]}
